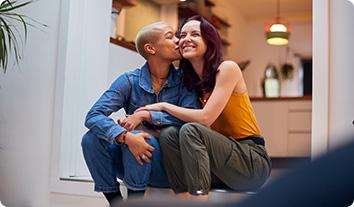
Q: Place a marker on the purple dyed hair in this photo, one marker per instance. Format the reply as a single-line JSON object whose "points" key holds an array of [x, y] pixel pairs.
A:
{"points": [[212, 59]]}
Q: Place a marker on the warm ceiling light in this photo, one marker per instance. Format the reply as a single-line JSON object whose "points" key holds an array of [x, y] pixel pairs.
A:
{"points": [[182, 0], [278, 31], [278, 28]]}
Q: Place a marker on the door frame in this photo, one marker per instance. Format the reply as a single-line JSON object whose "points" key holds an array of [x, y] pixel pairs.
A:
{"points": [[321, 70]]}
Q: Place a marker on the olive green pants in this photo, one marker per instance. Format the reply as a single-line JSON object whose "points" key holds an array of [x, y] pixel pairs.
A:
{"points": [[197, 158]]}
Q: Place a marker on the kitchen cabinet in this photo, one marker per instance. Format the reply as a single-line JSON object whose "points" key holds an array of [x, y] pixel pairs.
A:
{"points": [[286, 125]]}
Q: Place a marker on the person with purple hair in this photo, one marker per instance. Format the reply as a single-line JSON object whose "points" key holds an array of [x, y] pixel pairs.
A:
{"points": [[221, 145]]}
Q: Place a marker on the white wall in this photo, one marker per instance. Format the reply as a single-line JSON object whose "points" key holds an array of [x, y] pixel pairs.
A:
{"points": [[333, 111], [237, 34], [341, 98], [169, 14], [143, 13], [122, 60], [26, 113], [33, 99]]}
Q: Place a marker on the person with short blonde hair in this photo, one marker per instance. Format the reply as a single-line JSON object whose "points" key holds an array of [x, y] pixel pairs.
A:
{"points": [[130, 148]]}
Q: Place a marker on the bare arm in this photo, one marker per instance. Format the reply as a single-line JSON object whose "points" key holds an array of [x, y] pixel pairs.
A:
{"points": [[229, 75]]}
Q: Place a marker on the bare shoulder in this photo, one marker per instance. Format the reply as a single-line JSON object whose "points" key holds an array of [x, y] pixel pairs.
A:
{"points": [[229, 66]]}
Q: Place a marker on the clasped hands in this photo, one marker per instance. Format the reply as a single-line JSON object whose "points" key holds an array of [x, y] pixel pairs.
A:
{"points": [[137, 144], [132, 121]]}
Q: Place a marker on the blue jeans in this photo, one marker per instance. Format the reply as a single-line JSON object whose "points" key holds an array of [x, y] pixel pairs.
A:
{"points": [[107, 161]]}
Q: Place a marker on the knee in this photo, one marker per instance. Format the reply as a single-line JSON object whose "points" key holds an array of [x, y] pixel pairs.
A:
{"points": [[191, 128], [88, 140], [190, 132], [168, 135], [153, 141]]}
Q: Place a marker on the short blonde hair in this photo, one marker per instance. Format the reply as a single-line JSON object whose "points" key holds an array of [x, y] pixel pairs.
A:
{"points": [[147, 34]]}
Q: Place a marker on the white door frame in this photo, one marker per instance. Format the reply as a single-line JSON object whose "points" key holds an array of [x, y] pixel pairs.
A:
{"points": [[320, 82], [82, 67]]}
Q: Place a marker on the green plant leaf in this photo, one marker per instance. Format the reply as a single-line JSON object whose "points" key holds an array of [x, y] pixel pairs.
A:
{"points": [[5, 4], [3, 58], [13, 38], [12, 7], [10, 35], [287, 70]]}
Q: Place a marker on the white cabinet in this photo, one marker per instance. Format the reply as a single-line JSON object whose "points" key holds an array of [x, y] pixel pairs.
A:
{"points": [[285, 125]]}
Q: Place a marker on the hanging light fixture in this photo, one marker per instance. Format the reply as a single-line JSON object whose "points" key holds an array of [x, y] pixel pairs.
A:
{"points": [[277, 32]]}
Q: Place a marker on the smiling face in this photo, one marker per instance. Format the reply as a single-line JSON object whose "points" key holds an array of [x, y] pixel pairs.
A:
{"points": [[191, 43]]}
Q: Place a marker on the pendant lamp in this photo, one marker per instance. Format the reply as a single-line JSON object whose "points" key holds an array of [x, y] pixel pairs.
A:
{"points": [[277, 31]]}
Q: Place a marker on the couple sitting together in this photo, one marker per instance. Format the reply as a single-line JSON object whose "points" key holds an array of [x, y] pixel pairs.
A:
{"points": [[190, 129]]}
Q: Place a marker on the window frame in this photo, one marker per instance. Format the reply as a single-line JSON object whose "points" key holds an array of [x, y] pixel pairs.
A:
{"points": [[78, 29]]}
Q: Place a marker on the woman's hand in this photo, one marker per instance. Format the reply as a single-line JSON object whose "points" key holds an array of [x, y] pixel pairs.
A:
{"points": [[130, 122], [152, 107]]}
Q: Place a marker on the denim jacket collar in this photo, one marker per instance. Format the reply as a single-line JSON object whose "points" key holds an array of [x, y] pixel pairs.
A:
{"points": [[174, 78]]}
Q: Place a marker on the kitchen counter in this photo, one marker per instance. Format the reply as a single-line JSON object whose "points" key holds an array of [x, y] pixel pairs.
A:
{"points": [[285, 123], [283, 98]]}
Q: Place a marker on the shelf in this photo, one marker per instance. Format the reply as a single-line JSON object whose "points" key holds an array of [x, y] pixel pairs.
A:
{"points": [[243, 64], [186, 12], [119, 4], [209, 3], [219, 21], [282, 98], [225, 42], [122, 43], [188, 9]]}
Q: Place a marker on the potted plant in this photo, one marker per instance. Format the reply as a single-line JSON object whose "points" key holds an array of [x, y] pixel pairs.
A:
{"points": [[287, 71], [10, 34]]}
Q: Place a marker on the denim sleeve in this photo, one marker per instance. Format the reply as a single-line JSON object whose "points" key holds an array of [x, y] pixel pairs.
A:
{"points": [[113, 99], [187, 99]]}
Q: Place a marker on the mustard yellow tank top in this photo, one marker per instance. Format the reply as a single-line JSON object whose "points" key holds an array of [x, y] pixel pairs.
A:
{"points": [[237, 119]]}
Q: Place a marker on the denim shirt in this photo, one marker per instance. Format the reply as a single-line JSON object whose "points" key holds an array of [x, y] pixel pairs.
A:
{"points": [[133, 90]]}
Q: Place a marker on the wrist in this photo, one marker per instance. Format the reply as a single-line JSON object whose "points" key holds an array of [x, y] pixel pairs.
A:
{"points": [[145, 115], [128, 138], [121, 138], [163, 106]]}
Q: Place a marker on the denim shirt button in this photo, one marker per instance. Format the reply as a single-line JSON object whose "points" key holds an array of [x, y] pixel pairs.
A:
{"points": [[158, 122]]}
